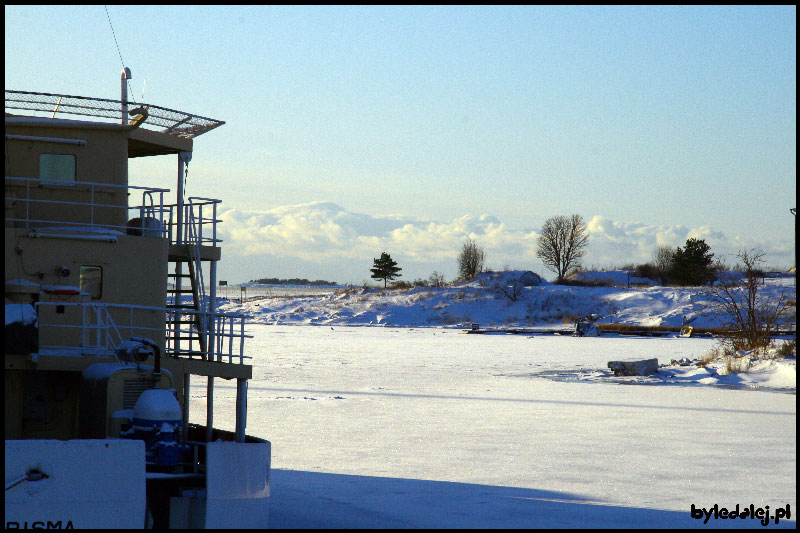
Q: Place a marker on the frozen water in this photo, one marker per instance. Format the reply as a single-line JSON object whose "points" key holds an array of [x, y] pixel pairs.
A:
{"points": [[430, 427]]}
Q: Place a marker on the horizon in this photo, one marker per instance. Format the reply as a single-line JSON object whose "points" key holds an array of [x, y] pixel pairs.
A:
{"points": [[407, 129], [353, 240]]}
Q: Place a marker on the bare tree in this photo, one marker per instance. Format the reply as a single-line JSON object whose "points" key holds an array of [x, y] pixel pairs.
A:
{"points": [[437, 279], [752, 316], [511, 291], [562, 244], [471, 260], [662, 260]]}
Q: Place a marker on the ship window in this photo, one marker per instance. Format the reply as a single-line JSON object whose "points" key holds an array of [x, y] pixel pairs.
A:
{"points": [[57, 167], [92, 281]]}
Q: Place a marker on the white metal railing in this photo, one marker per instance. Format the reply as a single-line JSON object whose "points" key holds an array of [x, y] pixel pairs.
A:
{"points": [[198, 214], [100, 335], [195, 240], [225, 345], [149, 217]]}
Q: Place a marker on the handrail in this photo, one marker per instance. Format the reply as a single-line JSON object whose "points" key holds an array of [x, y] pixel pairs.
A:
{"points": [[70, 183], [193, 215], [148, 209], [195, 239], [87, 210], [100, 334]]}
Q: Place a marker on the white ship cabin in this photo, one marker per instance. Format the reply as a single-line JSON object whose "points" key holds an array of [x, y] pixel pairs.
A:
{"points": [[92, 262]]}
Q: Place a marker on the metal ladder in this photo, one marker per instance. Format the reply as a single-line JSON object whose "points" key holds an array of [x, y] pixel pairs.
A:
{"points": [[196, 332]]}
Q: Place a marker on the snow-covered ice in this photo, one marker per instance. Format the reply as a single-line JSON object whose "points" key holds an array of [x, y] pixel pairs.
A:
{"points": [[424, 426], [429, 427]]}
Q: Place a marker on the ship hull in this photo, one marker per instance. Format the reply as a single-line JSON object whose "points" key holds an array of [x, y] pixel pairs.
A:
{"points": [[103, 483]]}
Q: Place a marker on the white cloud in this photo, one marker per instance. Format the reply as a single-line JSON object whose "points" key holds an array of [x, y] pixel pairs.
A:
{"points": [[319, 230], [614, 243], [324, 233]]}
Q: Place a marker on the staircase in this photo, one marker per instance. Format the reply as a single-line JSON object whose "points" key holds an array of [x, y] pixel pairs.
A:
{"points": [[185, 328], [188, 327]]}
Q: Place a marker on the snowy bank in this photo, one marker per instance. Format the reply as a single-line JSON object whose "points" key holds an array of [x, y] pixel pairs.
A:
{"points": [[497, 301]]}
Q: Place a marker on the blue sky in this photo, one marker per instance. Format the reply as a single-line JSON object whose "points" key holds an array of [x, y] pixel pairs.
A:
{"points": [[661, 121]]}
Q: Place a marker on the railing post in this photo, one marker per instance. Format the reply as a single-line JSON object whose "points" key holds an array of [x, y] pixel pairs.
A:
{"points": [[230, 343], [220, 337], [214, 225], [161, 211], [241, 344]]}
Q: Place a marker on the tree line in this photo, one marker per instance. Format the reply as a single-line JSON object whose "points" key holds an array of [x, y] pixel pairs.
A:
{"points": [[562, 244], [291, 281], [563, 241]]}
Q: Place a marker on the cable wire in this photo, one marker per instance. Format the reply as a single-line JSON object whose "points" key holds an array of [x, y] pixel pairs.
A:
{"points": [[113, 33]]}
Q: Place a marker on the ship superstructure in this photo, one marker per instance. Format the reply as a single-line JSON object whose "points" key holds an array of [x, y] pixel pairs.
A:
{"points": [[110, 322]]}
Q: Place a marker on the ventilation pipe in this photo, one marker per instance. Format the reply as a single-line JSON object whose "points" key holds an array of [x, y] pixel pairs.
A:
{"points": [[123, 87]]}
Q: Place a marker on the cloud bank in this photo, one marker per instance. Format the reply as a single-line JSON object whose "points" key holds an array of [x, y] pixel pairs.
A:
{"points": [[325, 234]]}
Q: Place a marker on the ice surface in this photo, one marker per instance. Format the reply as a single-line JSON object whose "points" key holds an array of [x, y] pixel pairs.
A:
{"points": [[430, 427]]}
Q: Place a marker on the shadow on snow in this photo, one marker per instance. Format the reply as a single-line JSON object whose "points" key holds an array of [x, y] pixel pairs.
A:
{"points": [[345, 393], [321, 500]]}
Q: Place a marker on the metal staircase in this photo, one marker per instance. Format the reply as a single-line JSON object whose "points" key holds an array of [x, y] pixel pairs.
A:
{"points": [[186, 332], [192, 326]]}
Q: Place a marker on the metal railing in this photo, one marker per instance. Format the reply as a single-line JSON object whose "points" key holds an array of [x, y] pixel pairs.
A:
{"points": [[100, 335], [198, 214], [159, 118], [224, 335], [150, 216]]}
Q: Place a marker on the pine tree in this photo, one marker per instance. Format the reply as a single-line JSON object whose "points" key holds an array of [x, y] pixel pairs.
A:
{"points": [[385, 268], [693, 264]]}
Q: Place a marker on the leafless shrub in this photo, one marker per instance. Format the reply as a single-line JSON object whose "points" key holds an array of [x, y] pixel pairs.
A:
{"points": [[510, 291], [662, 261], [786, 349], [437, 279], [753, 317]]}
